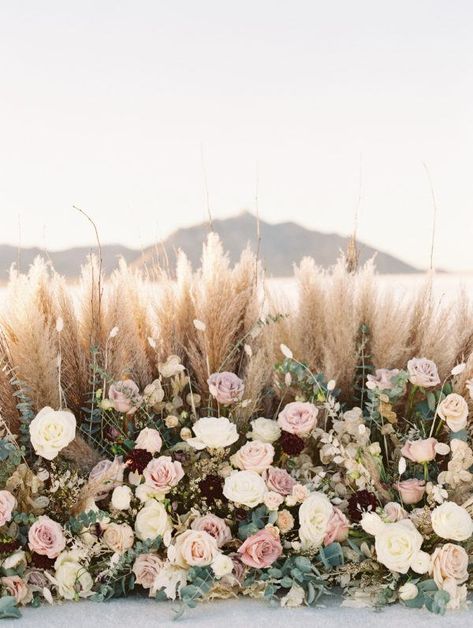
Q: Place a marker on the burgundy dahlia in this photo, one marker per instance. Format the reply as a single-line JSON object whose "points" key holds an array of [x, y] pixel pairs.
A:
{"points": [[211, 487], [360, 502], [137, 460], [42, 562], [8, 546], [291, 444]]}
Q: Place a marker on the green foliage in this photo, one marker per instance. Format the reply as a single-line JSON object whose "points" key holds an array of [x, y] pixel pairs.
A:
{"points": [[312, 386], [27, 414], [8, 608], [10, 458], [430, 597], [85, 520], [257, 519], [331, 556]]}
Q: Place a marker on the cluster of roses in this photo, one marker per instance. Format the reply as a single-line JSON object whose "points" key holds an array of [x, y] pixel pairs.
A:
{"points": [[313, 481]]}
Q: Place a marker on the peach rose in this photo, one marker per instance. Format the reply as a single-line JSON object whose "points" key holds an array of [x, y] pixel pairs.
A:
{"points": [[411, 491], [125, 396], [194, 548], [423, 372], [285, 521], [420, 451], [338, 527], [17, 588], [118, 537], [254, 456], [162, 474], [449, 561], [383, 379], [298, 418], [146, 569], [260, 550], [46, 537], [150, 440], [279, 481], [454, 411], [7, 505], [226, 388], [215, 526]]}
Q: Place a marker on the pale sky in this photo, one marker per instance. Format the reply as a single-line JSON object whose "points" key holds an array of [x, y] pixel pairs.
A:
{"points": [[111, 104]]}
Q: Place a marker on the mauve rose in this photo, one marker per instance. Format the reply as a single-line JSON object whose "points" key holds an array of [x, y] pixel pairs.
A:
{"points": [[253, 456], [423, 372], [146, 569], [215, 526], [7, 504], [394, 512], [163, 473], [260, 550], [226, 388], [298, 418], [279, 481], [337, 529], [420, 450], [46, 537], [383, 379], [449, 561], [111, 472], [411, 491], [125, 396]]}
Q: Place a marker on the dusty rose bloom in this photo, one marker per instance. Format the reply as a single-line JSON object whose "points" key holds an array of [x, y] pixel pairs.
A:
{"points": [[215, 526], [260, 550], [298, 418], [150, 440], [146, 569], [423, 372], [394, 512], [254, 456], [18, 588], [226, 388], [337, 529], [420, 450], [383, 379], [163, 473], [46, 537], [279, 481], [411, 491], [449, 561], [125, 396], [7, 505]]}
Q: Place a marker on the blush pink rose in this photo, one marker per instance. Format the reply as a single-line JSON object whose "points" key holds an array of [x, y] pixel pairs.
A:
{"points": [[394, 512], [46, 537], [254, 456], [383, 379], [423, 372], [279, 481], [226, 388], [163, 473], [125, 396], [337, 529], [146, 569], [150, 440], [260, 550], [215, 526], [411, 491], [298, 418], [18, 588], [7, 505], [420, 450]]}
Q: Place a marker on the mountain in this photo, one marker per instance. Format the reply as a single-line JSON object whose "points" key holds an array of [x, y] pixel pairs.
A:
{"points": [[281, 245]]}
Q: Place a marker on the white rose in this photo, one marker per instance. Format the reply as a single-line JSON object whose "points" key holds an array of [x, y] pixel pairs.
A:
{"points": [[314, 515], [150, 440], [396, 545], [408, 591], [73, 580], [222, 566], [458, 594], [245, 487], [213, 432], [121, 497], [420, 562], [371, 523], [152, 521], [15, 560], [454, 411], [451, 521], [118, 537], [52, 430], [265, 430]]}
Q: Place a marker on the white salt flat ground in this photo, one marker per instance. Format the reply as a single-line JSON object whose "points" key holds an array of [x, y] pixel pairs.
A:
{"points": [[244, 613]]}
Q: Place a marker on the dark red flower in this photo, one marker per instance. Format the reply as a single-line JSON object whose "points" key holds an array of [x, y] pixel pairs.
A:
{"points": [[360, 502], [211, 487], [42, 562], [291, 444], [240, 514], [137, 460], [8, 546]]}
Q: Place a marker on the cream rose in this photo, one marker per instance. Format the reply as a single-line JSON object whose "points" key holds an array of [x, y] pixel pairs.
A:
{"points": [[253, 456], [408, 591], [451, 521], [153, 394], [150, 440], [449, 561], [46, 537], [213, 433], [222, 566], [423, 372], [121, 497], [51, 431], [118, 537], [454, 411], [73, 580], [245, 487], [194, 548], [265, 430], [152, 521], [163, 474], [314, 517], [298, 418], [397, 544], [7, 505], [146, 569]]}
